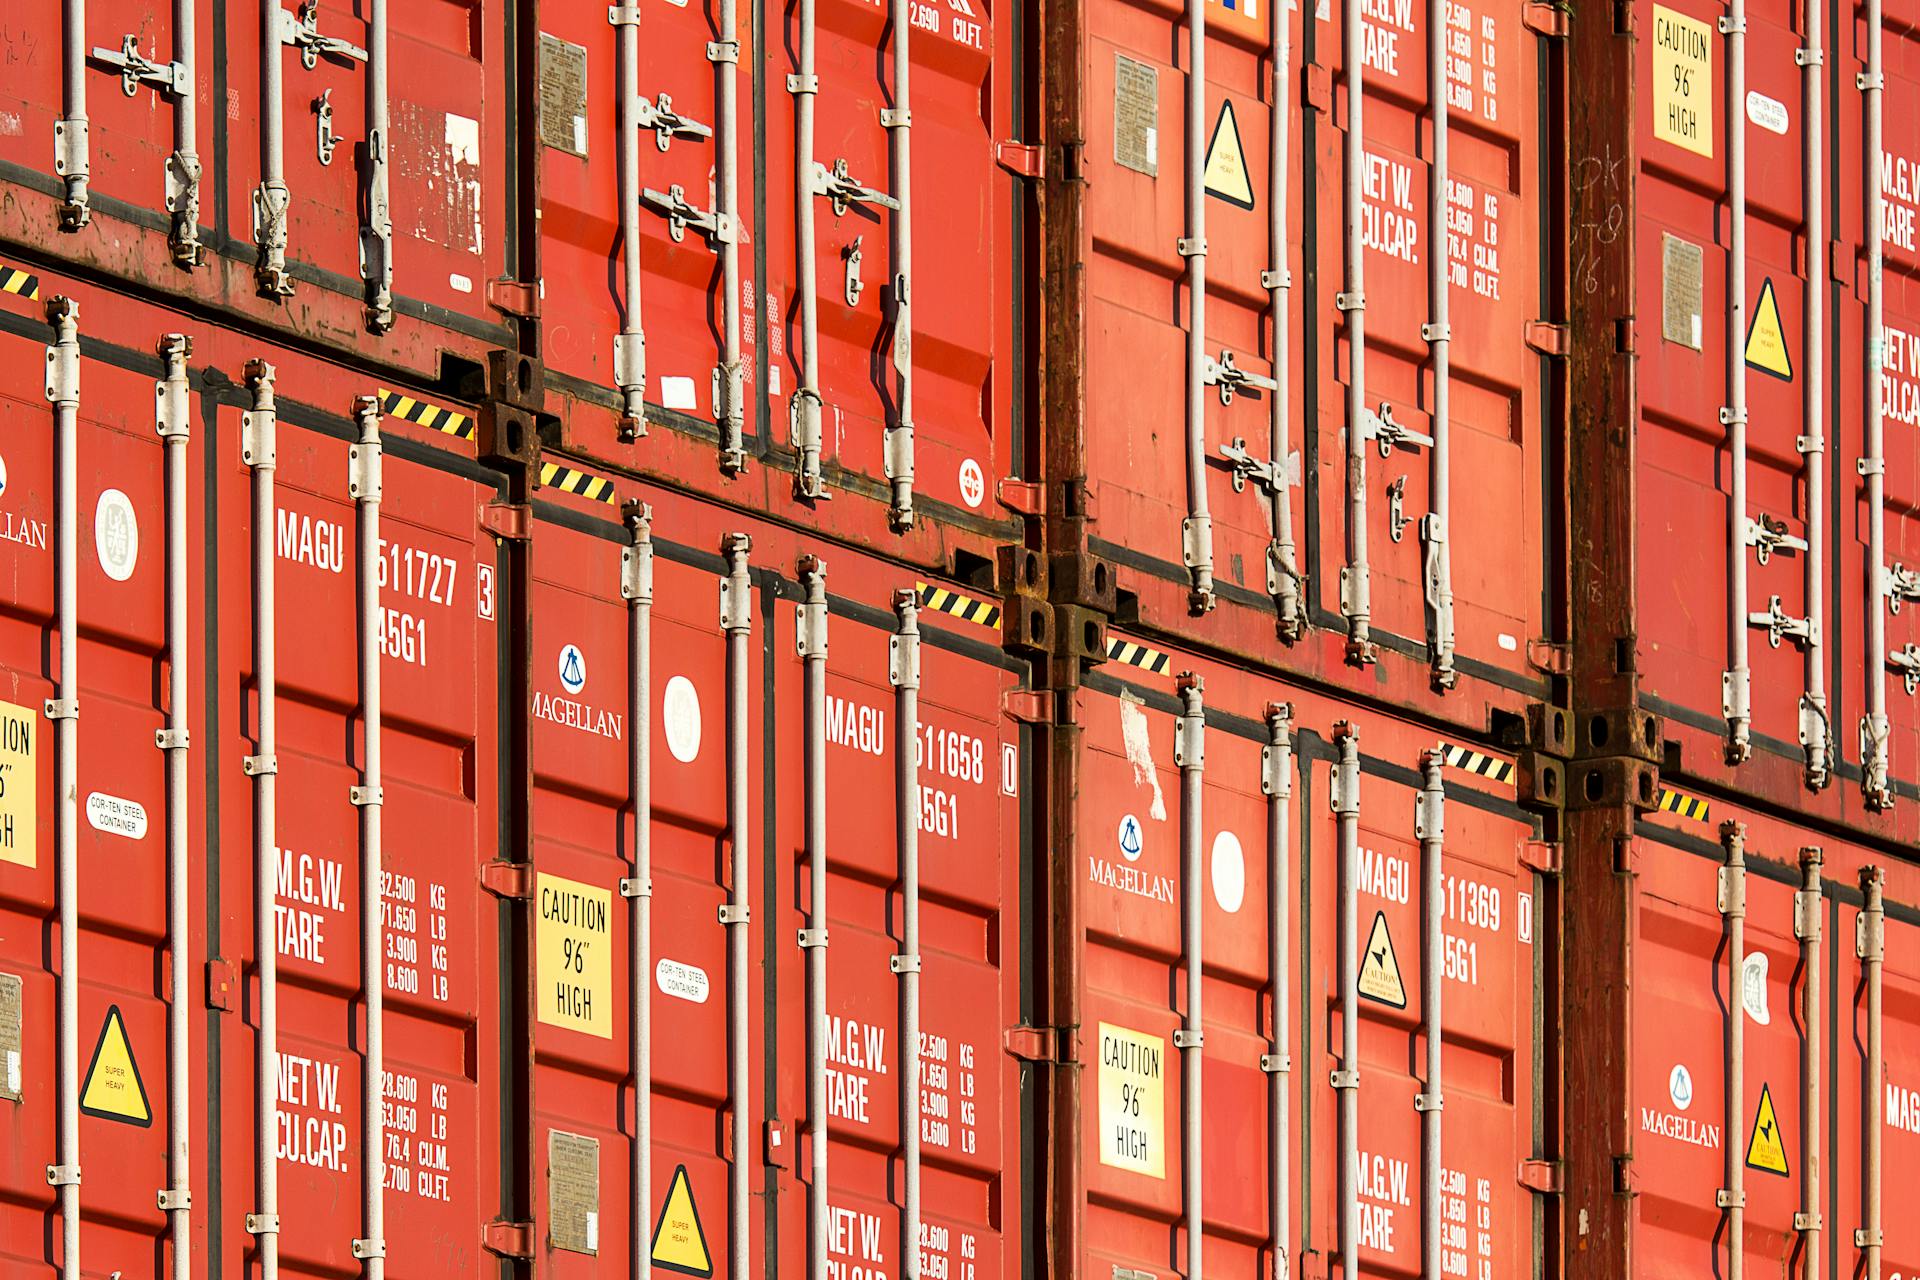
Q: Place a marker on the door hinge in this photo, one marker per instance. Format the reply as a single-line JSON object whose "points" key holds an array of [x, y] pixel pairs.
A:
{"points": [[222, 980], [1022, 497], [1546, 19], [1541, 855], [507, 879], [1540, 1175], [1028, 706], [1548, 337], [508, 1239], [1022, 159], [515, 297], [507, 520], [1033, 1044], [1548, 656]]}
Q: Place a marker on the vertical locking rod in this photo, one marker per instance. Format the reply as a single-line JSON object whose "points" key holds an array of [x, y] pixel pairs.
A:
{"points": [[1806, 927], [1283, 568], [636, 588], [805, 407], [630, 344], [1190, 755], [1737, 694], [1733, 911], [1436, 526], [376, 240], [1356, 575], [1196, 532], [1816, 732], [270, 198], [1430, 828], [1276, 781], [363, 485], [904, 670], [171, 422], [811, 640], [899, 125], [1874, 746], [258, 450], [183, 166], [63, 392], [730, 409], [1346, 1078], [736, 619], [1870, 945], [70, 158]]}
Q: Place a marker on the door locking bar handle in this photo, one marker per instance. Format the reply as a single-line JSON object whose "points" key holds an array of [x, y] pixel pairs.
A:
{"points": [[680, 215], [1390, 435], [1780, 625], [303, 33], [1244, 466], [136, 69], [1767, 534], [843, 190], [668, 124], [1232, 379]]}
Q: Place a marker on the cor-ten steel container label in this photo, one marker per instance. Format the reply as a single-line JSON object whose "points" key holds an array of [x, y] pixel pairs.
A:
{"points": [[573, 1191], [17, 789], [1136, 115], [1133, 1101], [574, 949], [1682, 81]]}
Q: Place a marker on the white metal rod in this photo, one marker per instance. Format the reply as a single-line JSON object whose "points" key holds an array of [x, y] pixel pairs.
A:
{"points": [[736, 619], [171, 420], [1737, 693], [1870, 945], [1437, 526], [1277, 782], [1430, 828], [258, 450], [731, 409], [636, 587], [363, 485], [70, 159], [183, 167], [376, 253], [63, 391], [1283, 568], [899, 124], [1806, 927], [1874, 745], [270, 197], [1816, 733], [1346, 1078], [1196, 532], [905, 673], [812, 645], [1356, 576], [630, 344], [1733, 910], [1189, 753], [804, 85]]}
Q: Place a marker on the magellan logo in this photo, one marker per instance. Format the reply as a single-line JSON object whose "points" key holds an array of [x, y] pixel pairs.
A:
{"points": [[1680, 1087], [573, 668]]}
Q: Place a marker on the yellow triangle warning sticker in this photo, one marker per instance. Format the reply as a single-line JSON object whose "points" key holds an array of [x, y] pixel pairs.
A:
{"points": [[1380, 967], [113, 1089], [1766, 1150], [1227, 176], [679, 1242], [1767, 339]]}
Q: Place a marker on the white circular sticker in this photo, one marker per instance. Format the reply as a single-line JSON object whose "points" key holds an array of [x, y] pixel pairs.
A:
{"points": [[3, 475], [1130, 838], [116, 534], [1680, 1087], [573, 668], [680, 711], [973, 483], [1229, 872], [1753, 987]]}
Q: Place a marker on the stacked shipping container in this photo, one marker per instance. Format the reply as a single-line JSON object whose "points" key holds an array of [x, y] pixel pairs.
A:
{"points": [[687, 811]]}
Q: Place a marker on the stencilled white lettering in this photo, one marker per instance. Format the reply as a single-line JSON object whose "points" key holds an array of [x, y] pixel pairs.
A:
{"points": [[1388, 222], [856, 1057], [417, 1162]]}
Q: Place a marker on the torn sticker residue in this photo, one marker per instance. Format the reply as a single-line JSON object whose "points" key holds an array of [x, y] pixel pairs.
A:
{"points": [[438, 156], [1133, 733]]}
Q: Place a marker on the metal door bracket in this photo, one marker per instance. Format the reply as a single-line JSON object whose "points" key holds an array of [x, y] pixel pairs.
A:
{"points": [[303, 33], [1780, 625], [668, 124], [1767, 534], [170, 79], [672, 204], [855, 286], [1907, 662], [1397, 519], [325, 140], [507, 1239], [844, 191], [1901, 584], [1543, 1176], [505, 879], [1264, 474], [1390, 435], [1232, 379]]}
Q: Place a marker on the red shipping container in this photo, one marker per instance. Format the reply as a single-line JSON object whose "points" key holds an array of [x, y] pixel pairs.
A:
{"points": [[1259, 231]]}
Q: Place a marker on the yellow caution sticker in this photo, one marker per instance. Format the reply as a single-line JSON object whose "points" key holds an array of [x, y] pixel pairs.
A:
{"points": [[1133, 1091], [1683, 81], [113, 1089], [1380, 968], [573, 947], [1766, 1150], [18, 815], [1767, 339], [679, 1241], [1227, 176]]}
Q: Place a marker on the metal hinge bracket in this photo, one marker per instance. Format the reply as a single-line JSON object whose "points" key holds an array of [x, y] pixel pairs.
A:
{"points": [[505, 879]]}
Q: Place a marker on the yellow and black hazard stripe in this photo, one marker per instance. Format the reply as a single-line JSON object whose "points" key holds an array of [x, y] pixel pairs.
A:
{"points": [[965, 608], [567, 480], [1692, 808], [1479, 763], [19, 280], [1135, 654], [432, 416]]}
